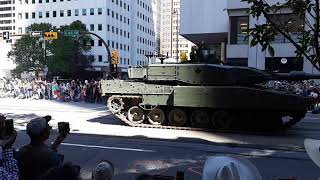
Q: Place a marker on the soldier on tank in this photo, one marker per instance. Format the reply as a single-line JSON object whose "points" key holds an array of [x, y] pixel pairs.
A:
{"points": [[193, 53]]}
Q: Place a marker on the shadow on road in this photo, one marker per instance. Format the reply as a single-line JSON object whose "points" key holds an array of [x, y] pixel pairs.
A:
{"points": [[108, 119]]}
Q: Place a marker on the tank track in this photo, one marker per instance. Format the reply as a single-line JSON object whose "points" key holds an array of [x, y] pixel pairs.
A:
{"points": [[123, 117]]}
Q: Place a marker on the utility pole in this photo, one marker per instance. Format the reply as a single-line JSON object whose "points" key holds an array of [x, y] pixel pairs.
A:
{"points": [[176, 12]]}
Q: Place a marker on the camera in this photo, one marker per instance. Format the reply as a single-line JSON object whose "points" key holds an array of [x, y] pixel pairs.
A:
{"points": [[63, 127], [9, 126]]}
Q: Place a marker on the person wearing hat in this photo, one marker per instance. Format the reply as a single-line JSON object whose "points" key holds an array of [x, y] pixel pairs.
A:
{"points": [[104, 171], [312, 147], [230, 168], [36, 158], [8, 166], [67, 171]]}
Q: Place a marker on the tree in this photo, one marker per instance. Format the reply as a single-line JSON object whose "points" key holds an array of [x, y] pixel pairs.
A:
{"points": [[27, 52], [304, 38], [63, 57]]}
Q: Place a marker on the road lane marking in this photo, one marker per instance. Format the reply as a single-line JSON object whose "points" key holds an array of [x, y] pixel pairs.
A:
{"points": [[108, 147]]}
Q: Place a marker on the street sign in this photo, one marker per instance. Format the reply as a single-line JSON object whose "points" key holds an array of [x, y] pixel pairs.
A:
{"points": [[71, 33], [6, 35], [50, 35], [35, 34]]}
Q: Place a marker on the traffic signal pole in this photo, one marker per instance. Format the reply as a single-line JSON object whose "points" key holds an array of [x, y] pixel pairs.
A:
{"points": [[113, 71]]}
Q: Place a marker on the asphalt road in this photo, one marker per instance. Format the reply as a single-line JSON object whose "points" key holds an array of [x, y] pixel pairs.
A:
{"points": [[97, 135]]}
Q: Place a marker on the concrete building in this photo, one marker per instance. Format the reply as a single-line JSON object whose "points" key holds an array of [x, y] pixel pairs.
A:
{"points": [[172, 44], [224, 24], [7, 20], [128, 26]]}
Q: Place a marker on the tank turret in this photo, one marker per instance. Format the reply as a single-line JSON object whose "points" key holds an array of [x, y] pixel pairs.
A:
{"points": [[211, 74]]}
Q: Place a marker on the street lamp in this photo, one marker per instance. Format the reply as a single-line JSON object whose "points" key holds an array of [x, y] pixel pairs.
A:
{"points": [[176, 12]]}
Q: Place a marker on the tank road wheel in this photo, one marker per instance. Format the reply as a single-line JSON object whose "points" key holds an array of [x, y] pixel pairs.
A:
{"points": [[222, 120], [115, 104], [156, 116], [136, 115], [200, 118], [178, 117]]}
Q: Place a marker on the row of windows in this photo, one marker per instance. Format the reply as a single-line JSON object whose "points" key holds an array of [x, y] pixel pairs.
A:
{"points": [[40, 1], [6, 2], [145, 41], [144, 17], [118, 31], [5, 9], [120, 3], [112, 44], [143, 52], [61, 13], [5, 21], [7, 15], [125, 6], [116, 15], [145, 30], [2, 28], [122, 60], [145, 6]]}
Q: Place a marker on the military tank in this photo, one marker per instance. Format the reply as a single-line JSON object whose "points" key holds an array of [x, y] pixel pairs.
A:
{"points": [[205, 96]]}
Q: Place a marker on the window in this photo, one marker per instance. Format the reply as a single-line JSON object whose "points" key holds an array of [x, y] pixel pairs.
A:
{"points": [[76, 12], [291, 23], [99, 11], [99, 43], [54, 14], [69, 12], [239, 30], [40, 14], [47, 14], [100, 58], [91, 11], [61, 13], [99, 27], [92, 43], [84, 12], [91, 27]]}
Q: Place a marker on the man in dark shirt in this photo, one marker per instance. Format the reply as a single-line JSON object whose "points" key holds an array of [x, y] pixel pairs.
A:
{"points": [[36, 158]]}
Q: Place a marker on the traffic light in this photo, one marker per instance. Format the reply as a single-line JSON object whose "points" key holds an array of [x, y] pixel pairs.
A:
{"points": [[183, 56], [6, 35], [115, 57], [51, 35]]}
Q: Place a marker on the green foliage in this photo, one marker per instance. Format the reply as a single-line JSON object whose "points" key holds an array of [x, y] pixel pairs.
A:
{"points": [[64, 57], [307, 45]]}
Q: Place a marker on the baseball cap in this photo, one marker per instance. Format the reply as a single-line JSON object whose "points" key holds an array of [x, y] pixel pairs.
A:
{"points": [[104, 170], [37, 126]]}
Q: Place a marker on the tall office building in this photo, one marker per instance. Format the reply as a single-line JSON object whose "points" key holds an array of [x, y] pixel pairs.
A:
{"points": [[7, 20], [127, 26], [172, 44]]}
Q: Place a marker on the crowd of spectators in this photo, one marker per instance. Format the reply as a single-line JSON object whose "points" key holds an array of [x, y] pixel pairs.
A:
{"points": [[62, 90], [39, 161], [303, 88]]}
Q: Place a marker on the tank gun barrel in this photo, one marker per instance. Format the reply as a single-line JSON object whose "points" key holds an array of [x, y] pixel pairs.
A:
{"points": [[296, 76]]}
